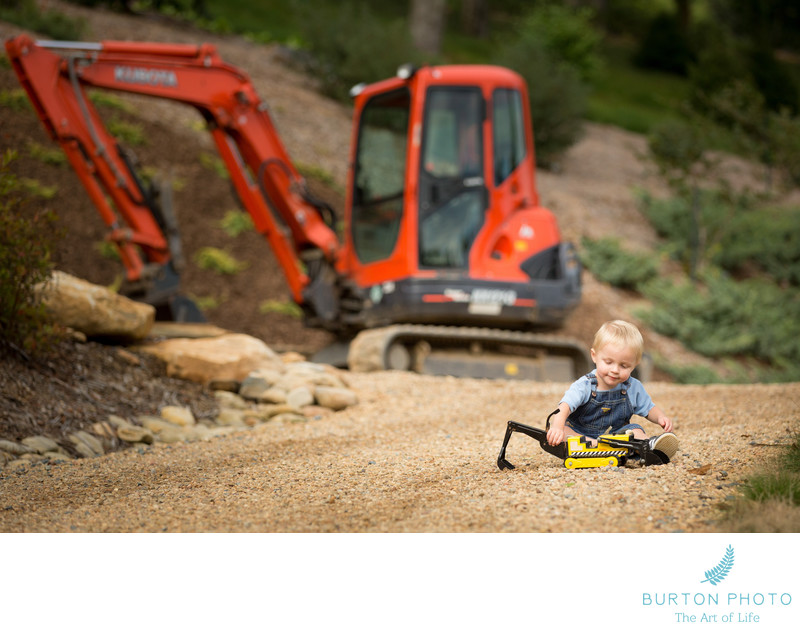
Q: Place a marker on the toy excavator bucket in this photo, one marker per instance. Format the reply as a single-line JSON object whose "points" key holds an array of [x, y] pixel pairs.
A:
{"points": [[559, 451]]}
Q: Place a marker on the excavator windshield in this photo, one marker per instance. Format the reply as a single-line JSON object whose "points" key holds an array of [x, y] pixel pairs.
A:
{"points": [[380, 171], [452, 192]]}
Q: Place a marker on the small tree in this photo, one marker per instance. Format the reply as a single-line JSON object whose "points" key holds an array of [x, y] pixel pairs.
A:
{"points": [[25, 247]]}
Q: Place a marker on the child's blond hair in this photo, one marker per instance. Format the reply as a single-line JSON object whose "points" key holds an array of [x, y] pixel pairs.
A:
{"points": [[622, 333]]}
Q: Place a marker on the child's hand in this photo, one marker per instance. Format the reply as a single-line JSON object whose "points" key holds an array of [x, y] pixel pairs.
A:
{"points": [[666, 423], [556, 435]]}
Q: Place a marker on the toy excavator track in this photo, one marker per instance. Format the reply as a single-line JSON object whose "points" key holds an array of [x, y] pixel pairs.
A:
{"points": [[468, 352]]}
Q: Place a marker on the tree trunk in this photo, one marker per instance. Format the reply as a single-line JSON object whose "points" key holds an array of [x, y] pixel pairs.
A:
{"points": [[427, 25], [474, 18]]}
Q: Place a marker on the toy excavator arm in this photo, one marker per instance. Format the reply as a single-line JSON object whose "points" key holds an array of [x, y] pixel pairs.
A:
{"points": [[56, 76]]}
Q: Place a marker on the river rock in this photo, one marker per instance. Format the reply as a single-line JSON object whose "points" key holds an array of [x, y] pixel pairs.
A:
{"points": [[178, 415], [230, 400], [300, 397], [86, 445], [95, 310], [41, 444], [335, 398], [135, 434], [15, 449]]}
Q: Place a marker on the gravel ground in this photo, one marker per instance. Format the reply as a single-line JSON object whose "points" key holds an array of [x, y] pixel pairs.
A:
{"points": [[401, 462]]}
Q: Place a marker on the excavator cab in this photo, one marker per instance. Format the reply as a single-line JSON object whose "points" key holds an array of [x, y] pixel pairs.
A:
{"points": [[443, 218]]}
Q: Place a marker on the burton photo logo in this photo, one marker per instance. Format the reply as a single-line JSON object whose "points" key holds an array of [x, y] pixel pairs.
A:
{"points": [[718, 573]]}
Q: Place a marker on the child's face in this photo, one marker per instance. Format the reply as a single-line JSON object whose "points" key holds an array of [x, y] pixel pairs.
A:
{"points": [[614, 364]]}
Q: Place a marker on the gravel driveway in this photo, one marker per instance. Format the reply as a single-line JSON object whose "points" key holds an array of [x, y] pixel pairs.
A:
{"points": [[417, 454]]}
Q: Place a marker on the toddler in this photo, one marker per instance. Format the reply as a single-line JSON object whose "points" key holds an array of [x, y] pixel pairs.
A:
{"points": [[603, 401]]}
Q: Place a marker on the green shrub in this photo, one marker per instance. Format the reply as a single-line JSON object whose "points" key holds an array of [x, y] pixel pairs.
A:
{"points": [[567, 35], [47, 155], [765, 238], [218, 261], [235, 222], [665, 46], [48, 22], [556, 50], [606, 259], [695, 224], [214, 163], [128, 133], [347, 44], [723, 317], [26, 243], [281, 307], [16, 100], [558, 98]]}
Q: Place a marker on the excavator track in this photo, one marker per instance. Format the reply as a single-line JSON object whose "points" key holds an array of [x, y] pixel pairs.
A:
{"points": [[468, 352]]}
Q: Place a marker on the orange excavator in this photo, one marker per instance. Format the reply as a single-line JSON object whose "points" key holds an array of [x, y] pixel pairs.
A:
{"points": [[447, 263]]}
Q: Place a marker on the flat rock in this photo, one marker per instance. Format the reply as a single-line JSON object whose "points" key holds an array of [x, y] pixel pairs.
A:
{"points": [[223, 358]]}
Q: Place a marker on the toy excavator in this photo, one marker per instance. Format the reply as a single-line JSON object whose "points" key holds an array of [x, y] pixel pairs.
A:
{"points": [[447, 263], [577, 452]]}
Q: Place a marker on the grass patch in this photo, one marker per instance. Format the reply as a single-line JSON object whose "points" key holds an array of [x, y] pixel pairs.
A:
{"points": [[281, 307], [770, 501], [47, 155], [15, 100], [214, 163], [129, 133], [219, 261], [235, 222]]}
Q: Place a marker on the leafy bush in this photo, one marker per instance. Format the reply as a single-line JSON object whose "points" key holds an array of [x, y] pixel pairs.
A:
{"points": [[26, 242], [557, 97], [766, 238], [695, 224], [606, 259], [723, 317], [556, 50], [48, 22], [348, 44], [567, 35], [665, 46]]}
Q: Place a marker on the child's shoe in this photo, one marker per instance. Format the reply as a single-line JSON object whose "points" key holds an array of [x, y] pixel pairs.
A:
{"points": [[666, 443]]}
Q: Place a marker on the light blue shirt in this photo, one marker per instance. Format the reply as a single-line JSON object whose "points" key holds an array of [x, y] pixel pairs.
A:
{"points": [[581, 391]]}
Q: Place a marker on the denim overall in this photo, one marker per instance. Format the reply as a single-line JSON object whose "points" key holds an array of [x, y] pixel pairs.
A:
{"points": [[604, 409]]}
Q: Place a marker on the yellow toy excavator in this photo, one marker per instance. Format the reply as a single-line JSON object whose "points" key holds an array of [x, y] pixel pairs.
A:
{"points": [[578, 452]]}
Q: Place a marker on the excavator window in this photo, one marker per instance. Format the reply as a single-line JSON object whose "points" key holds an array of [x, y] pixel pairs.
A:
{"points": [[509, 133], [380, 169], [452, 192]]}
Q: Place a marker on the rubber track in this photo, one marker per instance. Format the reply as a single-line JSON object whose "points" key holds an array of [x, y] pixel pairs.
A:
{"points": [[368, 349]]}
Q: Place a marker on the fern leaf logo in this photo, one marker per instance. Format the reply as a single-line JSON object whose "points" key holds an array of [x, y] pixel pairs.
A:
{"points": [[718, 573]]}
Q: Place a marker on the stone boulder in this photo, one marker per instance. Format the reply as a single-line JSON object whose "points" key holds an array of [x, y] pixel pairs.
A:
{"points": [[226, 357], [94, 310]]}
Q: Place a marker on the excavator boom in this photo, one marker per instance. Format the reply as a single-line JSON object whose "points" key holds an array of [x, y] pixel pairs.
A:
{"points": [[57, 77]]}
